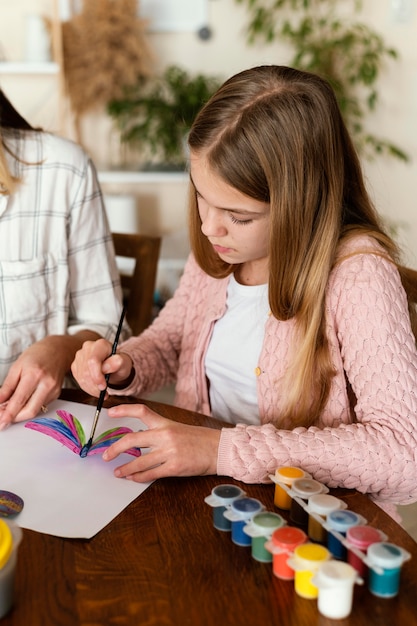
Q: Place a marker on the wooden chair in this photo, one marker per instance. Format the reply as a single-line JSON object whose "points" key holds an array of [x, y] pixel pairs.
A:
{"points": [[139, 287], [409, 279]]}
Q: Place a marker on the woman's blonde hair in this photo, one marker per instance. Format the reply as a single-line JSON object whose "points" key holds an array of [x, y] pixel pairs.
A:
{"points": [[276, 134]]}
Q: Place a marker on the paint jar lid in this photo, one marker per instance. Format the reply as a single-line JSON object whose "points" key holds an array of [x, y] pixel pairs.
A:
{"points": [[288, 537], [6, 543], [334, 573], [386, 555], [309, 554], [263, 524], [307, 487], [268, 520], [243, 509], [222, 495], [362, 536], [323, 504], [287, 474], [342, 520]]}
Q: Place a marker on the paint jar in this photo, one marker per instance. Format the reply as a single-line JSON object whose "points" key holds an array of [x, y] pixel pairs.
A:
{"points": [[220, 497], [384, 580], [340, 521], [282, 545], [303, 489], [360, 538], [260, 529], [286, 475], [305, 562], [321, 506], [239, 512], [335, 581], [10, 538]]}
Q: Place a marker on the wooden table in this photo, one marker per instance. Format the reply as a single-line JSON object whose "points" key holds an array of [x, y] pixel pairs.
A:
{"points": [[161, 562]]}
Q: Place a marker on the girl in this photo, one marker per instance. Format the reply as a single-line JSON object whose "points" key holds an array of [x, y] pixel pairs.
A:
{"points": [[290, 320]]}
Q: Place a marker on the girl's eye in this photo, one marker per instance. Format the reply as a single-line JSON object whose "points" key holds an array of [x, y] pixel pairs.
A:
{"points": [[236, 221]]}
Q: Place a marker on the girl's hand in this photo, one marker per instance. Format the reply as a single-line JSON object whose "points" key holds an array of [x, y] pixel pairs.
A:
{"points": [[94, 360], [174, 449]]}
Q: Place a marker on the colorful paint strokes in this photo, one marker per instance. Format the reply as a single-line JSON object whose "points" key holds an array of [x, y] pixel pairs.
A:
{"points": [[69, 432]]}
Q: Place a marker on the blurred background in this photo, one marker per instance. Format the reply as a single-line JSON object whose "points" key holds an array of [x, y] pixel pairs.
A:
{"points": [[44, 43]]}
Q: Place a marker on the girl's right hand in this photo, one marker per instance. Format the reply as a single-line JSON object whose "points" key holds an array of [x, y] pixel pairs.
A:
{"points": [[94, 361]]}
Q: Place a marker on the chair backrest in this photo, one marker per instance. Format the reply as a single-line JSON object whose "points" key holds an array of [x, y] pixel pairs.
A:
{"points": [[138, 287], [409, 278]]}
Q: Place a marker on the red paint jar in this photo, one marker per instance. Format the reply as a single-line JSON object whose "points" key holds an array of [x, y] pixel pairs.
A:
{"points": [[282, 544], [361, 537]]}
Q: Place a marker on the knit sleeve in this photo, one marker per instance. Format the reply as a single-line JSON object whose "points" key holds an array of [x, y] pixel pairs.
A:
{"points": [[376, 453], [156, 351]]}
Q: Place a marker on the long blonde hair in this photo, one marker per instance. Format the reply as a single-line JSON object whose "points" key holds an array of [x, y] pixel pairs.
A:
{"points": [[276, 134]]}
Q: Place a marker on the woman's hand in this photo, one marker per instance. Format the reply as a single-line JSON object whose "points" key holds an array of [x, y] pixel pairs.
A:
{"points": [[37, 376], [94, 361], [174, 449]]}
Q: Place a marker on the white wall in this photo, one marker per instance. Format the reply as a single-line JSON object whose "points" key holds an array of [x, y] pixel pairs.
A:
{"points": [[393, 184]]}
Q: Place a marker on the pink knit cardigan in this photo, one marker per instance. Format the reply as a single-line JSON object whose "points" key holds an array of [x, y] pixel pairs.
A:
{"points": [[372, 446]]}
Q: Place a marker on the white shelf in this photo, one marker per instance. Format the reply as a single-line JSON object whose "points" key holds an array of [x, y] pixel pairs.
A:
{"points": [[22, 67], [138, 177]]}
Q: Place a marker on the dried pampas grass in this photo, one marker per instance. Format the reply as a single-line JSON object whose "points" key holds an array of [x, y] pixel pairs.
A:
{"points": [[104, 50]]}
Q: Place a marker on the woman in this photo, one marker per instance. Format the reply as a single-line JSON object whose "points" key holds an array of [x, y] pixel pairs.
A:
{"points": [[58, 278], [290, 320]]}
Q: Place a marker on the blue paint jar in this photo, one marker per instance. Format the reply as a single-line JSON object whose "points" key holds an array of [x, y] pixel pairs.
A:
{"points": [[220, 497], [341, 521], [260, 529], [385, 561], [239, 513]]}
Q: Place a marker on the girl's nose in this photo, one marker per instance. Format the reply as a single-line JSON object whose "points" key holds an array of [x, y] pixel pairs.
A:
{"points": [[212, 223]]}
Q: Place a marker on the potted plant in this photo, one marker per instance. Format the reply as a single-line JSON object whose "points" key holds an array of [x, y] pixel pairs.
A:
{"points": [[155, 115], [350, 54]]}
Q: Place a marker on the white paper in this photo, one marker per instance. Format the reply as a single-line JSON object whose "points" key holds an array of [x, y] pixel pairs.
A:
{"points": [[63, 494]]}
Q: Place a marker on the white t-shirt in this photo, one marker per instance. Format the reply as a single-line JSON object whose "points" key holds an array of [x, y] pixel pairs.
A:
{"points": [[233, 353]]}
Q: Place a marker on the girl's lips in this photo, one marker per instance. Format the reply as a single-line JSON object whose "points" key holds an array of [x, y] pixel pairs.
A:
{"points": [[221, 250]]}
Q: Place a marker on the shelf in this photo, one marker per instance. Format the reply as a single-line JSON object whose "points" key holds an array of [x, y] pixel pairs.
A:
{"points": [[138, 177], [22, 67]]}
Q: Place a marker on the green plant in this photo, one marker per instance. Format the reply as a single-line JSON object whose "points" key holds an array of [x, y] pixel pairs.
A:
{"points": [[156, 115], [349, 54]]}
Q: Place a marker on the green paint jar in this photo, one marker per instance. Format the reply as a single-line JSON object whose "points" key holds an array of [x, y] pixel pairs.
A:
{"points": [[260, 529]]}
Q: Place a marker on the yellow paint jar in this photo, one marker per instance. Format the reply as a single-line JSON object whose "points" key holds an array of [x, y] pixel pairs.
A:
{"points": [[305, 562], [10, 538], [286, 475]]}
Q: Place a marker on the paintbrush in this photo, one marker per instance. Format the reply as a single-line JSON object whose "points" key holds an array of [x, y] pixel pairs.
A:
{"points": [[87, 446]]}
